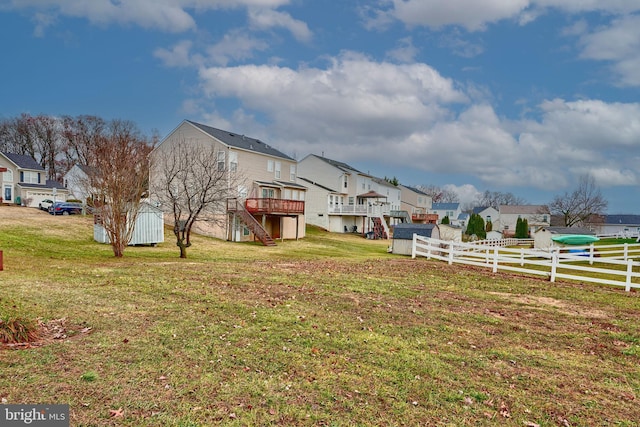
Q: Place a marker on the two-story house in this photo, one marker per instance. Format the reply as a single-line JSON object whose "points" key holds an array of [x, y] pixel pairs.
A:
{"points": [[537, 216], [23, 181], [269, 202], [343, 199], [450, 210], [418, 204]]}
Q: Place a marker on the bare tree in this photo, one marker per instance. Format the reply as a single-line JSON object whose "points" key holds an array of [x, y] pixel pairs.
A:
{"points": [[47, 133], [78, 136], [497, 198], [581, 204], [17, 136], [439, 194], [190, 184], [118, 178]]}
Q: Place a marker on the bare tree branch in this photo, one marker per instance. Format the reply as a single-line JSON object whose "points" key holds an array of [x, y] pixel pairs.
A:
{"points": [[577, 207], [189, 184]]}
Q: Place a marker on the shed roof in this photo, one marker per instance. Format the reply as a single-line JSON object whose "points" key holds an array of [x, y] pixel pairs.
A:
{"points": [[240, 141], [569, 230], [406, 231]]}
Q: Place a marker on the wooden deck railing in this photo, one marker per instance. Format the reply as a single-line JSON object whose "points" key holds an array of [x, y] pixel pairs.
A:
{"points": [[274, 206]]}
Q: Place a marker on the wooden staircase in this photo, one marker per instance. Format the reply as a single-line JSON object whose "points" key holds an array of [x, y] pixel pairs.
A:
{"points": [[252, 224], [379, 228]]}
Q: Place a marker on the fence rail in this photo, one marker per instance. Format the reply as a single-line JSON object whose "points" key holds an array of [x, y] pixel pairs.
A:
{"points": [[612, 264]]}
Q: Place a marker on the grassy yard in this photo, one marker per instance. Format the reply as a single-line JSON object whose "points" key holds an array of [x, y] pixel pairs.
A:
{"points": [[326, 331]]}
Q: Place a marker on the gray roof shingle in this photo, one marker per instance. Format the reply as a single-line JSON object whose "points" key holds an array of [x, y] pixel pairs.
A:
{"points": [[23, 161], [240, 141]]}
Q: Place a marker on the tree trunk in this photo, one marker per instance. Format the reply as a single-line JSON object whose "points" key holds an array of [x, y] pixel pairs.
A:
{"points": [[183, 247]]}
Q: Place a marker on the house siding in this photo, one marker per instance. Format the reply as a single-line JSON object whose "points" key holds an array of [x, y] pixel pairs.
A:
{"points": [[252, 169]]}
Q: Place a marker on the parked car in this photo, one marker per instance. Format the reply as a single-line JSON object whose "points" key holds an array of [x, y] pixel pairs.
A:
{"points": [[45, 204], [65, 208]]}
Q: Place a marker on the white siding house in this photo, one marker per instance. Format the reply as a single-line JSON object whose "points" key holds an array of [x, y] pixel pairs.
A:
{"points": [[353, 200], [537, 216]]}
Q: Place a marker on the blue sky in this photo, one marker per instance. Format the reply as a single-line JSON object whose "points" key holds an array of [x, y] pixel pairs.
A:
{"points": [[521, 96]]}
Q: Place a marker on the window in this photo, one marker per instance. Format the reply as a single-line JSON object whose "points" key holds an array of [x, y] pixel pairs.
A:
{"points": [[267, 193], [350, 201], [270, 165], [287, 194], [277, 170], [242, 192], [292, 173], [221, 159], [233, 161], [7, 176], [29, 177], [544, 218], [345, 180]]}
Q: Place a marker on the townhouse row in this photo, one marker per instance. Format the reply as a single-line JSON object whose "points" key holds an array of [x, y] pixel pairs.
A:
{"points": [[277, 196]]}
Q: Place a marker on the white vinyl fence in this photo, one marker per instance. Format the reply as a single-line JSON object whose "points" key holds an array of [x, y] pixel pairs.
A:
{"points": [[611, 264]]}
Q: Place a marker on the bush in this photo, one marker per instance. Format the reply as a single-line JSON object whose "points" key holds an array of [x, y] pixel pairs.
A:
{"points": [[16, 328]]}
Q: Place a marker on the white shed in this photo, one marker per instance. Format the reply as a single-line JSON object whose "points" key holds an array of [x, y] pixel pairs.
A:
{"points": [[403, 236], [148, 230]]}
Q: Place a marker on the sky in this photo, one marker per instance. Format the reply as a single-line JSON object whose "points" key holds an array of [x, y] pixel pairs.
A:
{"points": [[520, 96]]}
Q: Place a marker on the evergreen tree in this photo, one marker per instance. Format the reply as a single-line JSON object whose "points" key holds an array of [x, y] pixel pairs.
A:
{"points": [[522, 229], [476, 226], [445, 220], [489, 226]]}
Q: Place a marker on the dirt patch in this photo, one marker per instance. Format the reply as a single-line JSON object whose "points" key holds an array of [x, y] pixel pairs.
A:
{"points": [[50, 332], [562, 306]]}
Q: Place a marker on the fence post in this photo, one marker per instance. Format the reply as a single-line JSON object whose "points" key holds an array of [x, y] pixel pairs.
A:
{"points": [[428, 248], [486, 256], [451, 252], [413, 246], [629, 271], [626, 251], [554, 265], [495, 259], [521, 257], [591, 253]]}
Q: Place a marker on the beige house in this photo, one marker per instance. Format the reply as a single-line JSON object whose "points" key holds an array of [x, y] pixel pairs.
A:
{"points": [[418, 204], [269, 202], [23, 181], [537, 217]]}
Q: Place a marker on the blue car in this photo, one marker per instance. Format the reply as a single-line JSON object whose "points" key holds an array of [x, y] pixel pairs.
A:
{"points": [[65, 208]]}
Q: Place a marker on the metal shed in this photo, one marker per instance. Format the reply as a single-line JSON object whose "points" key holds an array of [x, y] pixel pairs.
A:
{"points": [[148, 230], [403, 236]]}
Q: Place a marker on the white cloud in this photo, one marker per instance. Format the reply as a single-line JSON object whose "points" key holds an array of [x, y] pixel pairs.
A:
{"points": [[236, 45], [177, 56], [405, 116], [475, 15], [405, 52], [618, 43], [470, 14], [268, 18], [165, 15]]}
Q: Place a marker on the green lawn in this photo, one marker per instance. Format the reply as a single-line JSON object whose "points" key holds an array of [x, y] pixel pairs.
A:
{"points": [[329, 330]]}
